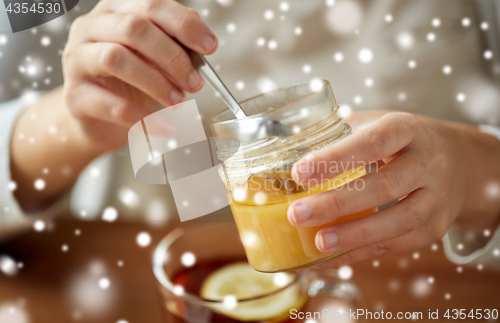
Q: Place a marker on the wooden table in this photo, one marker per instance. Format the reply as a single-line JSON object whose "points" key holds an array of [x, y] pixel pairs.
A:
{"points": [[45, 287]]}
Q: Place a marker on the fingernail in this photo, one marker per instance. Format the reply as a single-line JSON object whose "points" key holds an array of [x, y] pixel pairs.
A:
{"points": [[207, 42], [327, 240], [299, 213], [194, 80], [175, 96]]}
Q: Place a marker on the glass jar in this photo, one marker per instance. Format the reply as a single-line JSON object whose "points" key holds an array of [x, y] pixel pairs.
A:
{"points": [[257, 174]]}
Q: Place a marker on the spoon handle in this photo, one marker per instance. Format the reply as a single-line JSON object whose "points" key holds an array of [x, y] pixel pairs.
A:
{"points": [[208, 73]]}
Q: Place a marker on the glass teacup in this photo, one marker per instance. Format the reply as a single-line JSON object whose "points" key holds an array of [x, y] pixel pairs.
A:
{"points": [[196, 260]]}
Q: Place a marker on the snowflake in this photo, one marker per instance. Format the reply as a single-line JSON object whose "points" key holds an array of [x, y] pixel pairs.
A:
{"points": [[284, 6], [188, 259], [95, 172], [12, 186], [338, 57], [405, 40], [45, 41], [231, 27], [7, 265], [230, 301], [240, 85], [365, 55], [178, 290], [225, 3], [421, 287], [39, 184], [172, 144], [104, 283], [345, 272], [272, 44], [128, 197], [143, 239], [488, 54], [436, 22], [345, 111], [265, 84], [344, 18], [110, 214], [249, 239], [269, 14], [260, 198], [39, 225]]}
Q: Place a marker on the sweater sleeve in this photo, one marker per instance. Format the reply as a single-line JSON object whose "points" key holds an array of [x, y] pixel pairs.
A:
{"points": [[12, 217], [464, 247]]}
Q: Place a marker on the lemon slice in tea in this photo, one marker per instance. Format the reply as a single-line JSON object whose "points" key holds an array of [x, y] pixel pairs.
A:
{"points": [[235, 283]]}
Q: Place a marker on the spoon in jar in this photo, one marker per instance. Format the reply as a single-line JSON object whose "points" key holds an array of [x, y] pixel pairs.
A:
{"points": [[262, 127]]}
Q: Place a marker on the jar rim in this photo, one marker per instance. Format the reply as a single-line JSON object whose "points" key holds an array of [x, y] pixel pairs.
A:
{"points": [[324, 86]]}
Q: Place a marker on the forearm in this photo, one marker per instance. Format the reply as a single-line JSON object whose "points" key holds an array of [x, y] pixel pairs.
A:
{"points": [[47, 145]]}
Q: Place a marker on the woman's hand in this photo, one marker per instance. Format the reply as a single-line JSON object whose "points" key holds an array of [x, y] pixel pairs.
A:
{"points": [[440, 172], [124, 58], [121, 61]]}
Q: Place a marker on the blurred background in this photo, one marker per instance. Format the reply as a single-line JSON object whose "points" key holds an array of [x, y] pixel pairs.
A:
{"points": [[438, 58]]}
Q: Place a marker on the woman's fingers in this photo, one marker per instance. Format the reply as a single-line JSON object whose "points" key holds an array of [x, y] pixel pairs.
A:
{"points": [[391, 182], [180, 22], [414, 240], [112, 59], [402, 218], [92, 101], [386, 137], [140, 34]]}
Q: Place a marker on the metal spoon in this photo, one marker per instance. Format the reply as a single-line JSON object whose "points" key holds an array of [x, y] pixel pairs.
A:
{"points": [[263, 127]]}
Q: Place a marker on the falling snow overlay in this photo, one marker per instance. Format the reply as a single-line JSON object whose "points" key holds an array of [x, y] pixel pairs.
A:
{"points": [[427, 57]]}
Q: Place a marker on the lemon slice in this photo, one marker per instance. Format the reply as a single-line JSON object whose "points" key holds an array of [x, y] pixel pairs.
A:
{"points": [[239, 281]]}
